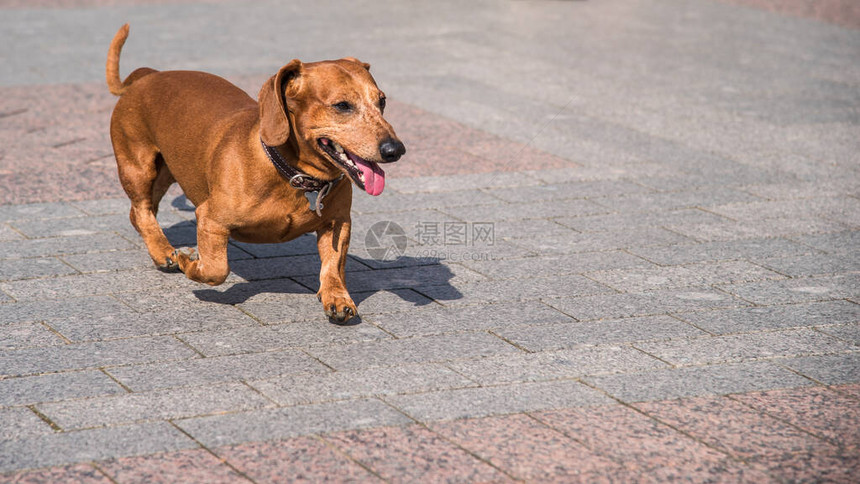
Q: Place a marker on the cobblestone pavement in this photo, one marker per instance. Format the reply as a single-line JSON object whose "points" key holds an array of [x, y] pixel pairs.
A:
{"points": [[631, 255]]}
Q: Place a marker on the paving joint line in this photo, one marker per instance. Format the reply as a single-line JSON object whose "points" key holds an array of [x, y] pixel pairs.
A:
{"points": [[348, 456], [44, 418], [468, 451], [116, 380], [631, 406], [734, 398], [211, 452], [189, 346], [98, 468]]}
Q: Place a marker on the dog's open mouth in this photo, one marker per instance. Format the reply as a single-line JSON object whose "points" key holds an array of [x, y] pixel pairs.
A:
{"points": [[366, 174]]}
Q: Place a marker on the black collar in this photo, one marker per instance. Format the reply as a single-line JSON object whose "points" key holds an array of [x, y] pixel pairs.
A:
{"points": [[297, 179]]}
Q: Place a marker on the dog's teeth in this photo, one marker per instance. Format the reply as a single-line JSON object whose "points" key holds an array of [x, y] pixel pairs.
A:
{"points": [[337, 147]]}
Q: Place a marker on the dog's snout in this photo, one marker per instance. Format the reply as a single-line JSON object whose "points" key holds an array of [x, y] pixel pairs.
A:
{"points": [[391, 150]]}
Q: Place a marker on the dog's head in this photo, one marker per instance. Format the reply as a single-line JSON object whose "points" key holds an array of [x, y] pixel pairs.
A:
{"points": [[331, 114]]}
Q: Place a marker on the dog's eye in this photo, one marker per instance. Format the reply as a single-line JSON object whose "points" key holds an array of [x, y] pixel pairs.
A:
{"points": [[382, 104], [343, 106]]}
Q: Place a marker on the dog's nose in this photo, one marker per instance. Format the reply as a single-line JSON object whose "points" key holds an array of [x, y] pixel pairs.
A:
{"points": [[391, 150]]}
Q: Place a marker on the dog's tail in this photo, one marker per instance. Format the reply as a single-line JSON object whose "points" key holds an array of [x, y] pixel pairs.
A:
{"points": [[115, 84]]}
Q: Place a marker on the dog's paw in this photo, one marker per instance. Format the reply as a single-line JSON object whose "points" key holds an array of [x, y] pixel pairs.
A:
{"points": [[338, 308], [183, 256]]}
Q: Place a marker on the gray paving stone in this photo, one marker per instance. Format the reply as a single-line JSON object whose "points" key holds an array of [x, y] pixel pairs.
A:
{"points": [[434, 319], [380, 302], [127, 323], [566, 364], [736, 230], [24, 335], [398, 202], [282, 423], [93, 284], [752, 249], [814, 265], [112, 261], [105, 206], [547, 266], [413, 350], [775, 317], [693, 275], [836, 208], [797, 290], [627, 220], [206, 371], [16, 269], [35, 211], [56, 387], [847, 332], [828, 369], [60, 308], [613, 306], [304, 245], [833, 243], [600, 241], [513, 290], [153, 405], [6, 233], [484, 401], [285, 309], [512, 229], [74, 226], [462, 182], [561, 191], [280, 267], [402, 278], [572, 334], [91, 355], [322, 332], [737, 348], [523, 211], [652, 202], [697, 381], [175, 292], [17, 249], [254, 340], [305, 388], [20, 423], [89, 445]]}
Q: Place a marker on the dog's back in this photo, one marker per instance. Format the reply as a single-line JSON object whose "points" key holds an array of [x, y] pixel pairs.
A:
{"points": [[154, 103]]}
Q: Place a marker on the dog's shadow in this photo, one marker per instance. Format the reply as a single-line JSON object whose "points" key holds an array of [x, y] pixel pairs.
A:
{"points": [[293, 268]]}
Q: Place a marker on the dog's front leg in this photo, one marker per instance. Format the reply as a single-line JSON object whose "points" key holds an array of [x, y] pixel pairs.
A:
{"points": [[333, 244], [209, 265]]}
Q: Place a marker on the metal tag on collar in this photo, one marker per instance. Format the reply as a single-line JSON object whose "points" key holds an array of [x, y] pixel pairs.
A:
{"points": [[315, 198]]}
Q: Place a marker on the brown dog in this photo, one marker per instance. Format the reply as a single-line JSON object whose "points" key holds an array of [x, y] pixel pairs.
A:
{"points": [[257, 172]]}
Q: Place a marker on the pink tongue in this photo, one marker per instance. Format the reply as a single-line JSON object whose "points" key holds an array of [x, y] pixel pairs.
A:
{"points": [[374, 177]]}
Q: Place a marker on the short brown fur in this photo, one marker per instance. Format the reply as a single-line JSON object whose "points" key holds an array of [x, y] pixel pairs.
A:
{"points": [[203, 132]]}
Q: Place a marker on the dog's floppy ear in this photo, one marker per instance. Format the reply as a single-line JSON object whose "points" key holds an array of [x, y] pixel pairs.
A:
{"points": [[353, 59], [274, 122]]}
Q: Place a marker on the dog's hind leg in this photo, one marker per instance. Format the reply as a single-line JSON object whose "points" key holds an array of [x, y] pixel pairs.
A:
{"points": [[145, 184], [162, 182]]}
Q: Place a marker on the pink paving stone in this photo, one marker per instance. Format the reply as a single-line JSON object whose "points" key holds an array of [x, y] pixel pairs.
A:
{"points": [[852, 390], [648, 449], [734, 428], [527, 449], [53, 151], [302, 459], [845, 13], [195, 465], [818, 410], [832, 466], [79, 474], [413, 454]]}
